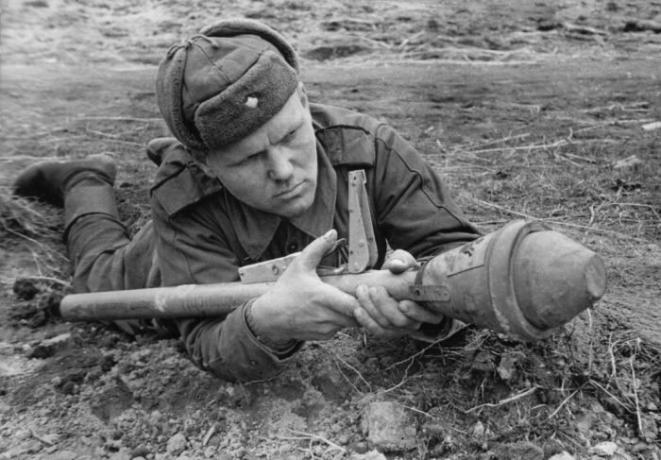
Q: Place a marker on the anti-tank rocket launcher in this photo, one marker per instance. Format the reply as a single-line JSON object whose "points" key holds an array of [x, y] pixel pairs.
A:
{"points": [[523, 280]]}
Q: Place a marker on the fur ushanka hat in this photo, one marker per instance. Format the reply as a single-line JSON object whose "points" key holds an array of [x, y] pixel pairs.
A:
{"points": [[221, 85]]}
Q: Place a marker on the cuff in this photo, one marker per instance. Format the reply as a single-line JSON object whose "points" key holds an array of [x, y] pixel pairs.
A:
{"points": [[282, 348], [241, 356]]}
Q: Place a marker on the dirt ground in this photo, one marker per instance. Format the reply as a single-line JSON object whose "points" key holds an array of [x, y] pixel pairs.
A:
{"points": [[546, 110]]}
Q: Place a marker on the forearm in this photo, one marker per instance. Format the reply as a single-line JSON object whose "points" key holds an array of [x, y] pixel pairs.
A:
{"points": [[229, 349]]}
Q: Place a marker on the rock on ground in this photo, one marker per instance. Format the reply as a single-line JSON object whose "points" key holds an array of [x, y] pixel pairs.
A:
{"points": [[389, 427]]}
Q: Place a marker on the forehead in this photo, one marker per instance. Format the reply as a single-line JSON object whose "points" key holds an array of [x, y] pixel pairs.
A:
{"points": [[288, 118]]}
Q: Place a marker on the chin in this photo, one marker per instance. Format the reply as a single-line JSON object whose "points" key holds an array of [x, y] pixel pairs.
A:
{"points": [[294, 211], [298, 208]]}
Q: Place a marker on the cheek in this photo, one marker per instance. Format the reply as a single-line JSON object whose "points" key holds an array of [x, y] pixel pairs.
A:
{"points": [[244, 182]]}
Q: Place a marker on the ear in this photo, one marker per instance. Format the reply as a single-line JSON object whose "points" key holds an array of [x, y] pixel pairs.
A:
{"points": [[198, 156], [200, 159]]}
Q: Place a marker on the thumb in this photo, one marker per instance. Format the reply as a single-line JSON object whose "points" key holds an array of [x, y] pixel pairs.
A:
{"points": [[400, 261], [315, 251]]}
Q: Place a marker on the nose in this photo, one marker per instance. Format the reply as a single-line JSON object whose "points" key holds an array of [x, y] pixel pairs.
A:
{"points": [[280, 167]]}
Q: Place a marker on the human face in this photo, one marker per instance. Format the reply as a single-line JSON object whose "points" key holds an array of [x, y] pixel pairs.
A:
{"points": [[274, 169]]}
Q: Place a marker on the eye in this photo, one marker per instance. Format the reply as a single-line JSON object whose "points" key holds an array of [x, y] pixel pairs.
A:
{"points": [[290, 135], [249, 159]]}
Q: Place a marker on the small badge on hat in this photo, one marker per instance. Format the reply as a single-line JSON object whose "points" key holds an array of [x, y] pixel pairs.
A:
{"points": [[251, 102]]}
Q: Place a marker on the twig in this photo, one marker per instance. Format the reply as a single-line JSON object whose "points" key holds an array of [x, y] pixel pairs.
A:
{"points": [[611, 346], [635, 396], [624, 406], [146, 120], [557, 222], [592, 215], [502, 402], [210, 433], [316, 437], [591, 353], [41, 438], [114, 137], [32, 135], [438, 61], [47, 279], [401, 382], [31, 240], [560, 143], [564, 401], [638, 205], [416, 354], [14, 158], [356, 371], [409, 39], [498, 141], [426, 414], [583, 30]]}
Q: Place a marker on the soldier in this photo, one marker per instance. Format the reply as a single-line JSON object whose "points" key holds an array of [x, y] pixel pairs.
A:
{"points": [[256, 172]]}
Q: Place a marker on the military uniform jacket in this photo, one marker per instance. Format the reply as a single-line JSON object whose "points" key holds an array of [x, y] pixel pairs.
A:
{"points": [[203, 233]]}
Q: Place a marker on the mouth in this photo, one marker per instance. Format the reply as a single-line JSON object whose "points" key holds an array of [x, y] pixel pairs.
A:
{"points": [[290, 192]]}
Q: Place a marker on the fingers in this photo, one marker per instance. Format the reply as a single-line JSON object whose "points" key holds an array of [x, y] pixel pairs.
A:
{"points": [[383, 309], [315, 251], [365, 299], [366, 321], [419, 313], [339, 302], [399, 261]]}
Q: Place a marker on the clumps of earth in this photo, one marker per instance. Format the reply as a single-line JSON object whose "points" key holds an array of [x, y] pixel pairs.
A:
{"points": [[38, 301]]}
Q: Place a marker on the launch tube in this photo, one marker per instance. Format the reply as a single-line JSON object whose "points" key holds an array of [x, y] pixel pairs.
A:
{"points": [[522, 280]]}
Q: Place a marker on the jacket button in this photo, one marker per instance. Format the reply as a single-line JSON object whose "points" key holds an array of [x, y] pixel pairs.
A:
{"points": [[292, 247], [253, 363]]}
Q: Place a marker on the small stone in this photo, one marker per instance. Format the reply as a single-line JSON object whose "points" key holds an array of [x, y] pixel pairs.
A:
{"points": [[650, 431], [140, 451], [563, 456], [123, 454], [25, 288], [176, 444], [359, 447], [604, 449], [63, 455], [33, 446], [389, 427], [652, 126], [507, 367], [519, 451], [22, 434], [49, 439], [478, 431], [371, 455], [210, 452], [630, 162], [155, 417], [621, 455]]}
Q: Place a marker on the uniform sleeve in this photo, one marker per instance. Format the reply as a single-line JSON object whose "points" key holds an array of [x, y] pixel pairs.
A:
{"points": [[413, 207], [192, 249], [415, 211]]}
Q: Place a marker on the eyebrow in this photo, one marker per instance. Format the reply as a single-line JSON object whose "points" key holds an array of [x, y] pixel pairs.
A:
{"points": [[298, 124]]}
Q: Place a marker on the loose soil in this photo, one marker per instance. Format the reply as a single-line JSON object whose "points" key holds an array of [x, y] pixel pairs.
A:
{"points": [[544, 110]]}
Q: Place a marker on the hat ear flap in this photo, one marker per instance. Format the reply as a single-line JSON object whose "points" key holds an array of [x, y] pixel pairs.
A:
{"points": [[169, 84]]}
